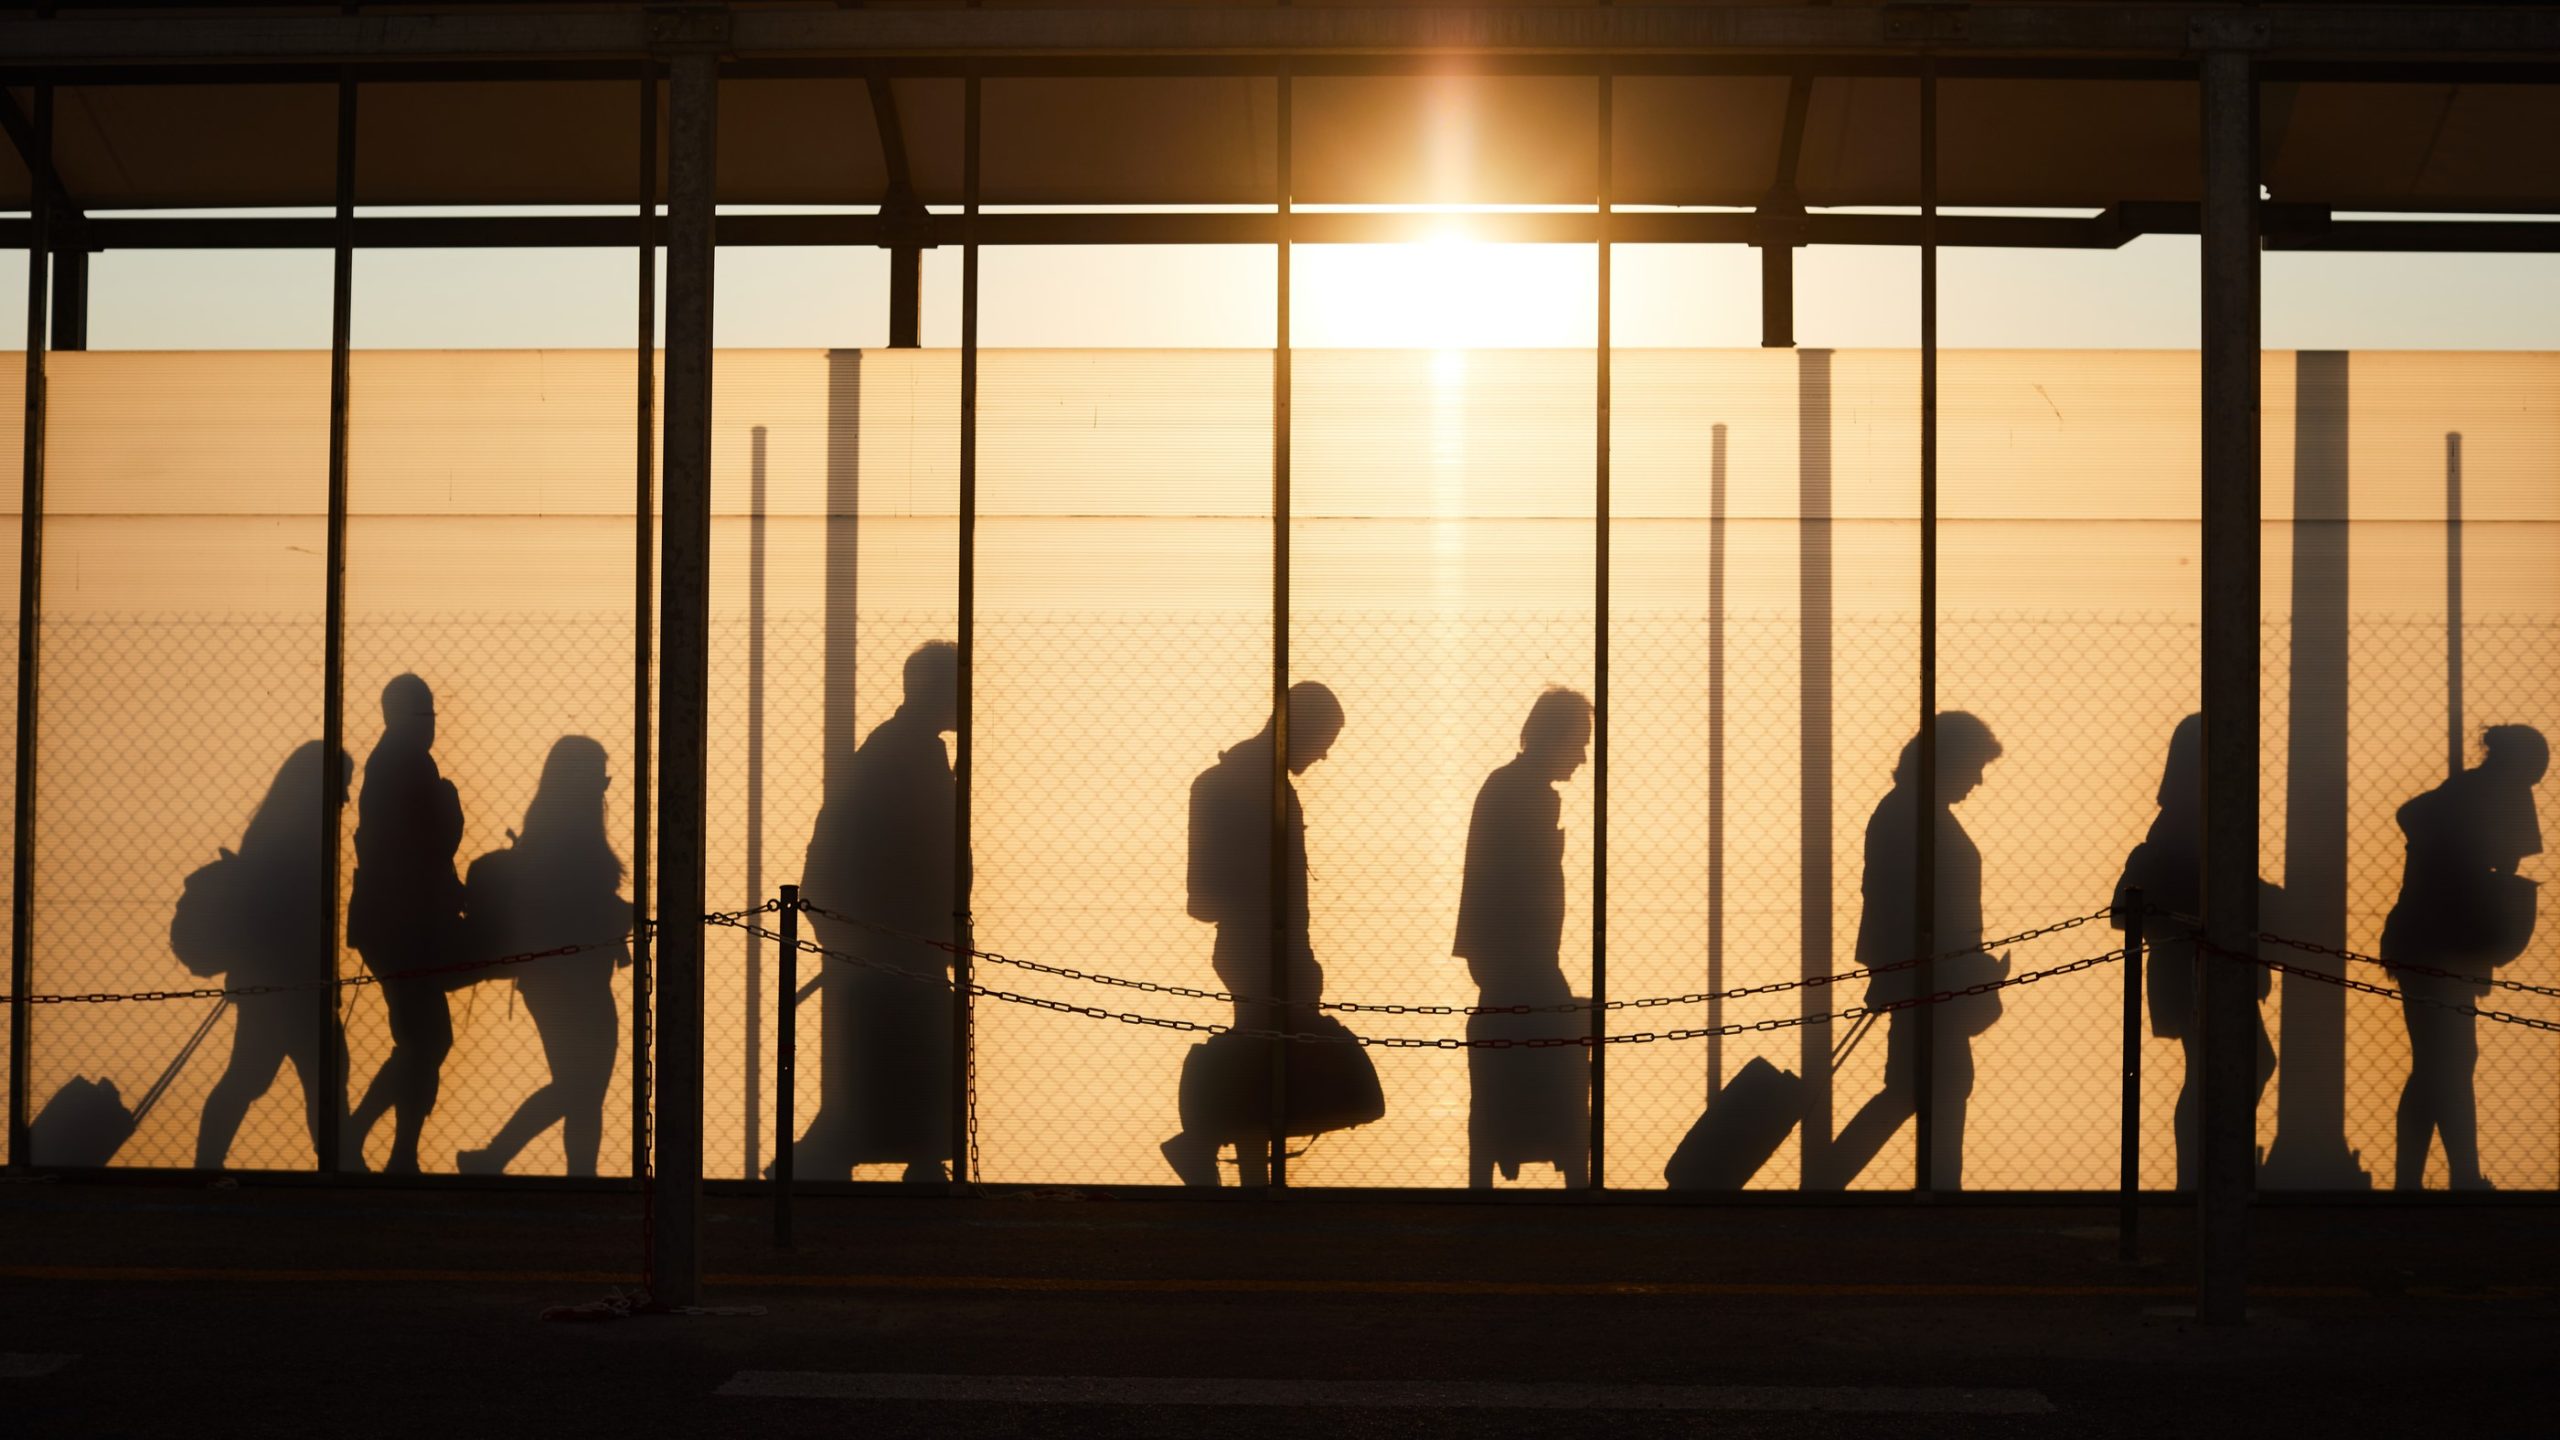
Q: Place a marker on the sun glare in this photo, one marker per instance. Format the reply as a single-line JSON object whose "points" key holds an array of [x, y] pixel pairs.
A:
{"points": [[1451, 291]]}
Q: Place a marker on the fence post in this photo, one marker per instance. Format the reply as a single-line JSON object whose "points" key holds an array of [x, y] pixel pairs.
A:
{"points": [[2128, 1174], [786, 1046]]}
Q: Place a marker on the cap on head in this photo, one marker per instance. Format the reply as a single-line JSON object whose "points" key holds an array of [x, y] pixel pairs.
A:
{"points": [[933, 675], [407, 699]]}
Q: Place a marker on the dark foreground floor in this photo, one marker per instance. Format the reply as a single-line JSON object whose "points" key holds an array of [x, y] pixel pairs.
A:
{"points": [[139, 1310]]}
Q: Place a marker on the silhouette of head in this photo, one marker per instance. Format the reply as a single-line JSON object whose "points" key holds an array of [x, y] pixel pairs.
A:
{"points": [[1965, 746], [1315, 722], [409, 711], [291, 812], [571, 791], [933, 683], [2516, 753], [1557, 735], [2182, 778]]}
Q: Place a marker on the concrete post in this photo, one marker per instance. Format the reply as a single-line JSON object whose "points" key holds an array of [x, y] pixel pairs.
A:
{"points": [[675, 1191], [2231, 582]]}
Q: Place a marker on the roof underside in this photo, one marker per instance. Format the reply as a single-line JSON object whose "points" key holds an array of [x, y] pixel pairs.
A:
{"points": [[167, 140]]}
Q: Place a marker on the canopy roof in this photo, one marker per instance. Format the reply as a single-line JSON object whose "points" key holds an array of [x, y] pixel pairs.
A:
{"points": [[252, 122]]}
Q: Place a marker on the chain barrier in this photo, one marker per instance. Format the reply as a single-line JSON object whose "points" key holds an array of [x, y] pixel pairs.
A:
{"points": [[1403, 1042], [1355, 1007], [360, 980], [2366, 987]]}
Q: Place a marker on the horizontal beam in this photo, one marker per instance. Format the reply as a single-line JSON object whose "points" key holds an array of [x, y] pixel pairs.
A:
{"points": [[2488, 32], [2287, 228]]}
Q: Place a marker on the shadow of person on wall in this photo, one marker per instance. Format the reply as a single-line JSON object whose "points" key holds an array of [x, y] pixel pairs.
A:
{"points": [[1525, 1105], [2462, 908], [268, 928], [881, 856], [1225, 1093], [1888, 932], [558, 884], [404, 913], [2168, 867]]}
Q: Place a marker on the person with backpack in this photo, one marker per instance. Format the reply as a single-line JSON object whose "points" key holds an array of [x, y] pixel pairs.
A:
{"points": [[558, 884], [255, 917], [2462, 908], [1225, 1090], [404, 915], [1888, 932]]}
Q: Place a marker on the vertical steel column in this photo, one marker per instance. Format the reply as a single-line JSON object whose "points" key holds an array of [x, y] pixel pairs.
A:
{"points": [[333, 655], [1924, 852], [963, 1036], [1600, 508], [1715, 760], [644, 561], [71, 298], [2231, 599], [675, 1187], [1281, 382], [906, 297], [30, 614]]}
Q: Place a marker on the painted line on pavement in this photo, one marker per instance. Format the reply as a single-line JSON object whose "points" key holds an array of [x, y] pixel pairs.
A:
{"points": [[1209, 1285], [1055, 1390]]}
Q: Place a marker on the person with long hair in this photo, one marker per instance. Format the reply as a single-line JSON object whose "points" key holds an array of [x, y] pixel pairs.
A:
{"points": [[558, 884], [2462, 908], [280, 903]]}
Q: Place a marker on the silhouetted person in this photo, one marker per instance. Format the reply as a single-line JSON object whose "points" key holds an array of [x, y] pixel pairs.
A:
{"points": [[1888, 932], [2169, 868], [558, 884], [404, 913], [2462, 908], [1525, 1105], [284, 933], [1230, 887], [881, 854]]}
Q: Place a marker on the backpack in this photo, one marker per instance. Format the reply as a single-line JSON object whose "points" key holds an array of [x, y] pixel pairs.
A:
{"points": [[212, 926]]}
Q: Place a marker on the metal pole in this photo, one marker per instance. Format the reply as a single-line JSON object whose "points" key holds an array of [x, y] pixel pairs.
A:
{"points": [[906, 297], [675, 1188], [71, 298], [1924, 869], [644, 560], [2452, 603], [1715, 759], [786, 1064], [1279, 880], [30, 614], [2129, 1144], [963, 1102], [1597, 1179], [333, 655], [2231, 598]]}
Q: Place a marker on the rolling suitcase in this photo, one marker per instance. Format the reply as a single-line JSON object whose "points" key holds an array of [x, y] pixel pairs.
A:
{"points": [[1746, 1122], [1743, 1126], [86, 1122]]}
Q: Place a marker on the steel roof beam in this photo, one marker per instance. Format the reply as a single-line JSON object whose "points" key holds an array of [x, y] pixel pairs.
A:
{"points": [[2487, 32]]}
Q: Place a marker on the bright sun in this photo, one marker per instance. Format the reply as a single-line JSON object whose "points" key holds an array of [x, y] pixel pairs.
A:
{"points": [[1449, 292]]}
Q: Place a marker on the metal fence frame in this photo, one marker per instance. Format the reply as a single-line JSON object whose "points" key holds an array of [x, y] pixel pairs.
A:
{"points": [[2228, 50]]}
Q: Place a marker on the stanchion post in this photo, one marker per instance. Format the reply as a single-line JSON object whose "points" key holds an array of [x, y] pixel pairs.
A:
{"points": [[2128, 1159], [786, 1044]]}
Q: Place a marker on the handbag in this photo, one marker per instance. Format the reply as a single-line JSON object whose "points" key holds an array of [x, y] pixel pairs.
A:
{"points": [[1226, 1082]]}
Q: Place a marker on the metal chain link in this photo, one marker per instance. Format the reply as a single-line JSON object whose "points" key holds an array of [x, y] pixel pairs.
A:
{"points": [[2503, 1017], [1355, 1007], [1403, 1042], [2409, 967], [359, 981]]}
